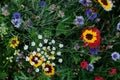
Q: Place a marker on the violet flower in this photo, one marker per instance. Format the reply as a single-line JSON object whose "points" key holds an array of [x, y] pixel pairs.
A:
{"points": [[94, 51], [115, 56], [79, 20], [91, 14], [85, 2], [16, 22], [16, 15], [90, 67], [42, 3], [118, 26]]}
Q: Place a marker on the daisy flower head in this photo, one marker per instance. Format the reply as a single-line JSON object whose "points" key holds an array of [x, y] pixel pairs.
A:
{"points": [[85, 2], [48, 69], [14, 42], [79, 21], [106, 4], [118, 26], [115, 56], [35, 60], [91, 37]]}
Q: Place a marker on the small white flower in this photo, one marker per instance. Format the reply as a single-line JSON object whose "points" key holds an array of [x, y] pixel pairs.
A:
{"points": [[48, 47], [61, 45], [53, 48], [43, 64], [53, 41], [32, 63], [47, 56], [45, 40], [48, 61], [25, 47], [60, 60], [39, 36], [40, 45], [38, 49], [34, 53], [50, 43], [46, 69], [33, 43], [53, 58], [59, 53], [53, 64], [44, 59], [35, 58], [52, 52], [38, 54], [27, 58], [44, 48], [36, 70], [42, 52]]}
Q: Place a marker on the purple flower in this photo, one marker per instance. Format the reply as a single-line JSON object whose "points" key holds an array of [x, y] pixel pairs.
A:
{"points": [[94, 51], [90, 67], [79, 20], [118, 26], [42, 3], [115, 56], [16, 15], [16, 22], [91, 14], [85, 2]]}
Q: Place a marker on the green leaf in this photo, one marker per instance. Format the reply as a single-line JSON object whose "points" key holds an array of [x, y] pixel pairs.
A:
{"points": [[61, 29], [3, 75], [94, 59]]}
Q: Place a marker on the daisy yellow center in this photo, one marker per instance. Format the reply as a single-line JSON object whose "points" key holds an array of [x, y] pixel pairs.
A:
{"points": [[89, 36], [106, 4]]}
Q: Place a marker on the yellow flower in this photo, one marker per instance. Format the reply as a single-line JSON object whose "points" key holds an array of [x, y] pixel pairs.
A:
{"points": [[48, 69], [106, 4], [14, 42], [35, 59], [89, 36]]}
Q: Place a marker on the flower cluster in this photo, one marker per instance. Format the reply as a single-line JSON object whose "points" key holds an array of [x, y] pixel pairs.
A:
{"points": [[44, 54]]}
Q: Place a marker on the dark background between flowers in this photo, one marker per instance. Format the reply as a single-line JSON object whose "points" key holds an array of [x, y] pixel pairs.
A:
{"points": [[62, 30]]}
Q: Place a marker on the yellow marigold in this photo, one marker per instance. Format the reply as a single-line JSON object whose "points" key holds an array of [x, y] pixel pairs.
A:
{"points": [[48, 69], [14, 42], [35, 59], [106, 4]]}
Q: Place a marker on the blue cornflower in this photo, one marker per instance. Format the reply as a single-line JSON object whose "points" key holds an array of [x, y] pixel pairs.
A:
{"points": [[90, 67], [85, 2], [16, 15], [16, 22], [94, 51], [115, 56], [118, 26], [42, 3], [79, 20], [91, 14]]}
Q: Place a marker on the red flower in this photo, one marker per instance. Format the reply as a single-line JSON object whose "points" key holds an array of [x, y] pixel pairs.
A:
{"points": [[98, 78], [91, 37], [84, 64], [113, 71]]}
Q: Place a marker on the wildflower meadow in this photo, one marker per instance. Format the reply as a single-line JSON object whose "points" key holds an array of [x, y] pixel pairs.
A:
{"points": [[59, 39]]}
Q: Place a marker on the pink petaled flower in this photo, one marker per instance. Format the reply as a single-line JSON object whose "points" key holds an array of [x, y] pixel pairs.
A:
{"points": [[84, 64], [98, 78], [113, 71]]}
